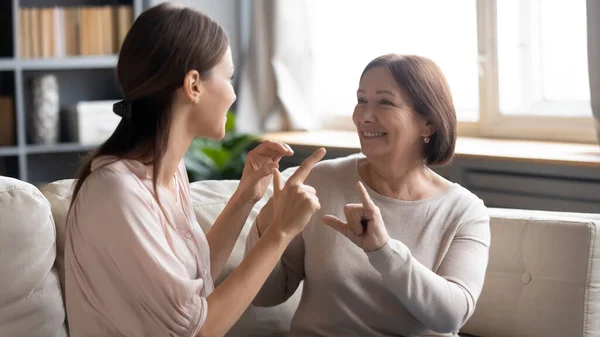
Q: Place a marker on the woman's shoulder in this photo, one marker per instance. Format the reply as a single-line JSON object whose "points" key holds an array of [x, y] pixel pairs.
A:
{"points": [[114, 175], [335, 169], [111, 182], [465, 204]]}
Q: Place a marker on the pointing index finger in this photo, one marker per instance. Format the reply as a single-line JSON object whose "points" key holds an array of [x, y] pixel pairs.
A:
{"points": [[307, 165], [364, 195]]}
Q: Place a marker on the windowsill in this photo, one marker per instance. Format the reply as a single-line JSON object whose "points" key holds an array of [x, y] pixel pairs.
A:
{"points": [[572, 154]]}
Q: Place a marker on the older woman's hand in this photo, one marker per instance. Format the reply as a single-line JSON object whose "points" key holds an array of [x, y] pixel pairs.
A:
{"points": [[364, 225]]}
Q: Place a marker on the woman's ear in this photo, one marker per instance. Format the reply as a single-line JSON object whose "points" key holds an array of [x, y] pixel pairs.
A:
{"points": [[428, 129], [193, 86]]}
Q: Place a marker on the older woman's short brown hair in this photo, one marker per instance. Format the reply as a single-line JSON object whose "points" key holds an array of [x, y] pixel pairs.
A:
{"points": [[427, 90]]}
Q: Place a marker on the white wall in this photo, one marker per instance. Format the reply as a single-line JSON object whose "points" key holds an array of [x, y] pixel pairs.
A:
{"points": [[225, 12]]}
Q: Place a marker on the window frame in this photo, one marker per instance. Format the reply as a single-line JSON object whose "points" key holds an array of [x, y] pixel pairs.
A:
{"points": [[492, 123]]}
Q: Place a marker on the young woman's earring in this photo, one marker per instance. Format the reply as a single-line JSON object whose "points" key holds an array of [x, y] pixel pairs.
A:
{"points": [[426, 140]]}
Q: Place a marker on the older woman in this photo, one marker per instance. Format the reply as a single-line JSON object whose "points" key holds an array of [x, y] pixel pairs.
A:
{"points": [[405, 250]]}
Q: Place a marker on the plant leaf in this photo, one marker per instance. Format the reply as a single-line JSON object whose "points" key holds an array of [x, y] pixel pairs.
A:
{"points": [[196, 169], [225, 159], [230, 124], [220, 157]]}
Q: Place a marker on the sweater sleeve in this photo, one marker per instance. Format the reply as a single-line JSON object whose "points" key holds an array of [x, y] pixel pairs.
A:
{"points": [[285, 277], [445, 300]]}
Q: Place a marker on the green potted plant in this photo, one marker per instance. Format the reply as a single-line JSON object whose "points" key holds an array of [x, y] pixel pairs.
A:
{"points": [[209, 159]]}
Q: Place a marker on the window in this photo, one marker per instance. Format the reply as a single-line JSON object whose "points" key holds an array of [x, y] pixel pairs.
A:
{"points": [[513, 71], [542, 65]]}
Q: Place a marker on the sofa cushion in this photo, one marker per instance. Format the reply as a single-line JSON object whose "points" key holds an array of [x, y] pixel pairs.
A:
{"points": [[58, 194], [542, 278], [31, 303]]}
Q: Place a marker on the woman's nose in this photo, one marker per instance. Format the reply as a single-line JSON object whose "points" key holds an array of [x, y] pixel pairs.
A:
{"points": [[366, 115]]}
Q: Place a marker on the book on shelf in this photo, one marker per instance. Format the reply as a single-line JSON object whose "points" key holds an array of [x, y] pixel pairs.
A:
{"points": [[55, 32], [7, 121]]}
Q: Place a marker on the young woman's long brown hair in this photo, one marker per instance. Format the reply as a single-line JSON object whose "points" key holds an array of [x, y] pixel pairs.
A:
{"points": [[163, 45]]}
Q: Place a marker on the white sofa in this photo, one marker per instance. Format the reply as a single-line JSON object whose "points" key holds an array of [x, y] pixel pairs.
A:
{"points": [[543, 277]]}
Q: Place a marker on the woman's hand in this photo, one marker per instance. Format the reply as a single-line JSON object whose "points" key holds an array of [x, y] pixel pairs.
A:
{"points": [[364, 225], [295, 203], [258, 169], [265, 216]]}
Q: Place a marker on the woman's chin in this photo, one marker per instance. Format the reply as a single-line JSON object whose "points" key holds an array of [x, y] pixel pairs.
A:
{"points": [[371, 150], [371, 153], [217, 135], [220, 134]]}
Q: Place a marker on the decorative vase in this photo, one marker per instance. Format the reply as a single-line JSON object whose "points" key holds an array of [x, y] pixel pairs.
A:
{"points": [[45, 110]]}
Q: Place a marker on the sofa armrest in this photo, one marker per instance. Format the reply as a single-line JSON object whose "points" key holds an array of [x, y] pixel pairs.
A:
{"points": [[31, 303], [543, 278]]}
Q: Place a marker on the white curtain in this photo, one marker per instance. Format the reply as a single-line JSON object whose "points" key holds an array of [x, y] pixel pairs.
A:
{"points": [[275, 86], [593, 24]]}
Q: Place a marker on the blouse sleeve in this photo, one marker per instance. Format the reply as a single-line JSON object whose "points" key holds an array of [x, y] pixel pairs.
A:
{"points": [[126, 267]]}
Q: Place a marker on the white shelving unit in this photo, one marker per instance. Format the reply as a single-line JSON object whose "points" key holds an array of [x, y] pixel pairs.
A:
{"points": [[80, 78]]}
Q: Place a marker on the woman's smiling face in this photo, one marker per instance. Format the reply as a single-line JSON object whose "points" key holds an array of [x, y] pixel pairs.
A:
{"points": [[385, 120]]}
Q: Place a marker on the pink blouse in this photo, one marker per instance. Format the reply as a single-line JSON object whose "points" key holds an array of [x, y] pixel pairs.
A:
{"points": [[132, 269]]}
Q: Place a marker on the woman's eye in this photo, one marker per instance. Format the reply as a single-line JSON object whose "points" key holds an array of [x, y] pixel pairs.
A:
{"points": [[385, 102], [361, 100]]}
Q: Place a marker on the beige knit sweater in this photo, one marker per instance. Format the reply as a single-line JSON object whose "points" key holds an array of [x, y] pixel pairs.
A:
{"points": [[424, 282]]}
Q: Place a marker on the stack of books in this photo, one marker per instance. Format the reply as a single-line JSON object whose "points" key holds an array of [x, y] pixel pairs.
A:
{"points": [[54, 32]]}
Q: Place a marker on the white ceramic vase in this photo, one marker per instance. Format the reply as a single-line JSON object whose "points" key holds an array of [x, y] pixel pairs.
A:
{"points": [[45, 110]]}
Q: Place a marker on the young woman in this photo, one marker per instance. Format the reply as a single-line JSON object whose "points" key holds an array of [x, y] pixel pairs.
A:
{"points": [[137, 262]]}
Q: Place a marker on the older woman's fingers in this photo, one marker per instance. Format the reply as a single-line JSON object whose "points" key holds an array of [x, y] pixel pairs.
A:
{"points": [[354, 214], [364, 195], [335, 223], [343, 228]]}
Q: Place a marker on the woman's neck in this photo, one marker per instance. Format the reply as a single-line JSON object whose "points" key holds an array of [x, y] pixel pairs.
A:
{"points": [[178, 145], [404, 181]]}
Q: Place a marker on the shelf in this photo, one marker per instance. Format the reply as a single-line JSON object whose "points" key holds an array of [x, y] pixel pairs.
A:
{"points": [[79, 77], [75, 62], [58, 148], [7, 64], [6, 151]]}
